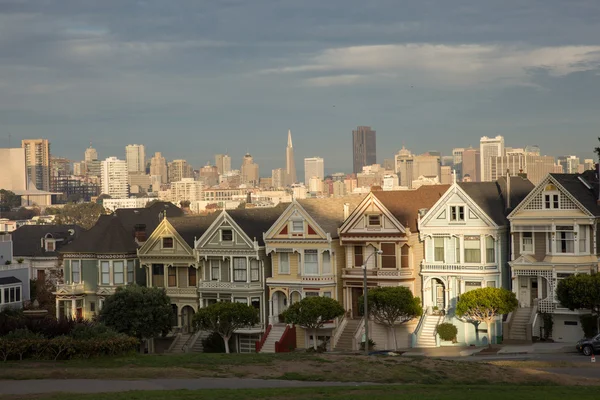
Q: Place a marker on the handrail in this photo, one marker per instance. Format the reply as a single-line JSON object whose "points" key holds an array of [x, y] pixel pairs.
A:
{"points": [[507, 325], [339, 330], [177, 336], [417, 332], [287, 341], [531, 322], [258, 345], [358, 334], [192, 339]]}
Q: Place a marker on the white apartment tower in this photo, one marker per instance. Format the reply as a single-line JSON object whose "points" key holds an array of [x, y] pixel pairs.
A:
{"points": [[488, 148], [115, 178], [223, 163], [90, 154], [37, 161], [290, 164], [314, 167], [136, 157]]}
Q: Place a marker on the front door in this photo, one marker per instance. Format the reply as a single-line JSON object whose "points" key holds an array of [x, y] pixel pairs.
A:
{"points": [[41, 276], [524, 296], [439, 296], [356, 293], [534, 290]]}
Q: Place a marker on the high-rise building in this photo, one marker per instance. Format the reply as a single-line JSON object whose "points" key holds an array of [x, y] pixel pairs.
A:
{"points": [[209, 175], [60, 168], [339, 189], [533, 150], [512, 163], [427, 164], [364, 148], [457, 155], [37, 160], [223, 163], [90, 154], [186, 189], [589, 164], [135, 155], [290, 163], [404, 162], [179, 169], [570, 164], [471, 165], [249, 171], [13, 175], [446, 175], [314, 167], [93, 168], [537, 167], [158, 167], [115, 178], [278, 178], [488, 148]]}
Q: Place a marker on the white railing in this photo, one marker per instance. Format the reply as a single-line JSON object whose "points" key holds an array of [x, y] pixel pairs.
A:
{"points": [[319, 279], [456, 267], [229, 285], [70, 288], [342, 322], [190, 291], [358, 335]]}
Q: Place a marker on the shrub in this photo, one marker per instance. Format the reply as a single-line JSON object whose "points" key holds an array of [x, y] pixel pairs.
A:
{"points": [[589, 325], [213, 343], [447, 331], [92, 330]]}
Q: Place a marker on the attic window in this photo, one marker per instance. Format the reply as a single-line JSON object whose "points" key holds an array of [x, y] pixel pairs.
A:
{"points": [[167, 243], [49, 245], [297, 226], [374, 220], [551, 201], [226, 235], [457, 213]]}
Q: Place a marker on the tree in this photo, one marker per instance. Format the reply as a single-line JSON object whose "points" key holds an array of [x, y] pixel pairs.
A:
{"points": [[391, 306], [101, 198], [580, 291], [311, 313], [9, 200], [485, 305], [83, 214], [597, 150], [224, 318], [138, 311]]}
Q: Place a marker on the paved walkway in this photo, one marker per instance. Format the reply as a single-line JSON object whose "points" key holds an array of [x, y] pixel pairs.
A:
{"points": [[38, 386], [456, 351]]}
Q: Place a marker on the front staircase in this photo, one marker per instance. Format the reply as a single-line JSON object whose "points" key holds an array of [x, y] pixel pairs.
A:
{"points": [[274, 336], [346, 340], [180, 340], [518, 325], [427, 336]]}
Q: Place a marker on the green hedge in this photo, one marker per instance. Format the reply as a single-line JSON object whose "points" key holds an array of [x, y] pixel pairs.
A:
{"points": [[447, 331]]}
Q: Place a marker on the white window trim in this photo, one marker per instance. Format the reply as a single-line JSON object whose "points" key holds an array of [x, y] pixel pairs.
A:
{"points": [[210, 265], [11, 286], [162, 242], [280, 271], [368, 222], [304, 263], [124, 271], [556, 241], [551, 193], [457, 221], [297, 221], [110, 273], [588, 230], [521, 248], [443, 247], [221, 236], [80, 272]]}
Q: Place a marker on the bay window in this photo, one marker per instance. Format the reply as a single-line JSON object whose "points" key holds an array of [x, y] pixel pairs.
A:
{"points": [[105, 272], [311, 262], [118, 273], [456, 249], [254, 271], [527, 242], [215, 270], [130, 271], [388, 258], [284, 263], [472, 249], [239, 269], [358, 256], [583, 238], [404, 256], [565, 239], [75, 271], [192, 279], [172, 276], [490, 250], [438, 249]]}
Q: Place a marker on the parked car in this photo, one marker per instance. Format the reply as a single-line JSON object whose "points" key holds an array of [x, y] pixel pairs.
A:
{"points": [[589, 346]]}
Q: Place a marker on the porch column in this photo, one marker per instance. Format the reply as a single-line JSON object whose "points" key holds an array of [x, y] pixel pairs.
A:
{"points": [[73, 308], [58, 308]]}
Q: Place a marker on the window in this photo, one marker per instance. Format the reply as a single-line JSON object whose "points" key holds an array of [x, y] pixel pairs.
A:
{"points": [[358, 256], [227, 235], [490, 250], [284, 263], [49, 245], [75, 271], [311, 262], [457, 213], [566, 239], [456, 249], [388, 258], [374, 220], [118, 273], [311, 294], [172, 276], [404, 260], [242, 300], [472, 286], [255, 302], [11, 295], [239, 269], [167, 243], [105, 272], [490, 284], [298, 226], [472, 249], [254, 271], [130, 271], [326, 262], [215, 270], [192, 280], [438, 253], [527, 242], [551, 201], [583, 239], [92, 306], [327, 294]]}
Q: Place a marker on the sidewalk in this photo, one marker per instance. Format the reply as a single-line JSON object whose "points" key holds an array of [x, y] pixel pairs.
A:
{"points": [[466, 351]]}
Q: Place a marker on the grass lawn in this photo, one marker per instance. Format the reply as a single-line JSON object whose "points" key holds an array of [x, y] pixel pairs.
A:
{"points": [[432, 392]]}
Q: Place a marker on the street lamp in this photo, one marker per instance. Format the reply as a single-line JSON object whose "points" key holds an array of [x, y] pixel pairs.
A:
{"points": [[366, 311]]}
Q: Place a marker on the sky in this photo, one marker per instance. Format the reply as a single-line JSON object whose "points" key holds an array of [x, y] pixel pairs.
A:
{"points": [[193, 78]]}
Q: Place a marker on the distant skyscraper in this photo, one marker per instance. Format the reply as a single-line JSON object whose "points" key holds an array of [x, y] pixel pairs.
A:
{"points": [[457, 154], [179, 169], [313, 168], [290, 163], [209, 175], [471, 165], [588, 164], [37, 160], [135, 155], [364, 148], [158, 167], [512, 163], [249, 171], [278, 178], [570, 164], [404, 164], [489, 147], [115, 178], [533, 150], [90, 154], [537, 167], [223, 163]]}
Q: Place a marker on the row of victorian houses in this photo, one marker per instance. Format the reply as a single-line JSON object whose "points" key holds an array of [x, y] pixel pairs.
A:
{"points": [[438, 241]]}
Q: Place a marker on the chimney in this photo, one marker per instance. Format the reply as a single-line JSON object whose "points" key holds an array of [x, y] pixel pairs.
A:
{"points": [[346, 211], [507, 189]]}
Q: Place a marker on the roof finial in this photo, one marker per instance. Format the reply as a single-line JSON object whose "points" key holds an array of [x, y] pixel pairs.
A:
{"points": [[454, 176]]}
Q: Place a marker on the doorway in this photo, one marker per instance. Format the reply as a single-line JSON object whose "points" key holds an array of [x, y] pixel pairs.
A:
{"points": [[356, 293], [438, 295], [528, 290]]}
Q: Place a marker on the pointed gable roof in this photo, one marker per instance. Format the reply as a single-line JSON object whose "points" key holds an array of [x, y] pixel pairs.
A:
{"points": [[256, 221], [583, 187], [405, 204], [108, 236], [192, 227], [148, 216], [27, 239], [329, 212]]}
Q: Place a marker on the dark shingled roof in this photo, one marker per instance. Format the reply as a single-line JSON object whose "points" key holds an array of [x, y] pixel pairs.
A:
{"points": [[405, 204], [255, 221], [108, 236], [9, 280], [491, 196], [27, 239], [574, 185], [329, 212], [149, 216], [193, 226]]}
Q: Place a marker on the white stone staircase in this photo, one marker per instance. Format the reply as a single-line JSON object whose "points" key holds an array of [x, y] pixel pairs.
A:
{"points": [[428, 331], [345, 342], [518, 326], [274, 336]]}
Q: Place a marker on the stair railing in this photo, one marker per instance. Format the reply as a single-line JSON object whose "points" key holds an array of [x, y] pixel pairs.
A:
{"points": [[174, 342], [258, 345], [531, 323], [342, 322], [189, 343], [357, 336], [417, 332]]}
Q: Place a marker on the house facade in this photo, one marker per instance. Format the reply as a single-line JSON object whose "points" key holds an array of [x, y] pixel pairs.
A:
{"points": [[466, 248], [554, 235], [14, 287]]}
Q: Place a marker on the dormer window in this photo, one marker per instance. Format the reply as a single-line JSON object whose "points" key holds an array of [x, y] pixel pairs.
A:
{"points": [[298, 226], [167, 243], [551, 198], [374, 220], [227, 235], [49, 245], [457, 213]]}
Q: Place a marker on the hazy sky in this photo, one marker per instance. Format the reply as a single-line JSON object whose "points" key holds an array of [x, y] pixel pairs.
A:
{"points": [[193, 78]]}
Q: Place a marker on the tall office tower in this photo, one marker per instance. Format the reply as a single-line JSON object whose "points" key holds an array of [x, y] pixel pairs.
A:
{"points": [[179, 169], [249, 171], [558, 169], [93, 168], [588, 164], [13, 175], [570, 164], [364, 148], [223, 163], [533, 150], [158, 167], [471, 165], [290, 163], [186, 189], [278, 178], [457, 155], [537, 167], [489, 147], [513, 163], [388, 164], [90, 154], [209, 175], [136, 157], [446, 175], [313, 168], [115, 178], [428, 165], [404, 163], [37, 160]]}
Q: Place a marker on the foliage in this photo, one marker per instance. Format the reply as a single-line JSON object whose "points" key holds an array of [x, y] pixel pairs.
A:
{"points": [[138, 311], [447, 331], [589, 324], [48, 326], [580, 291], [485, 305], [83, 214], [9, 200], [224, 318], [43, 291], [548, 325], [100, 199], [86, 331], [213, 343]]}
